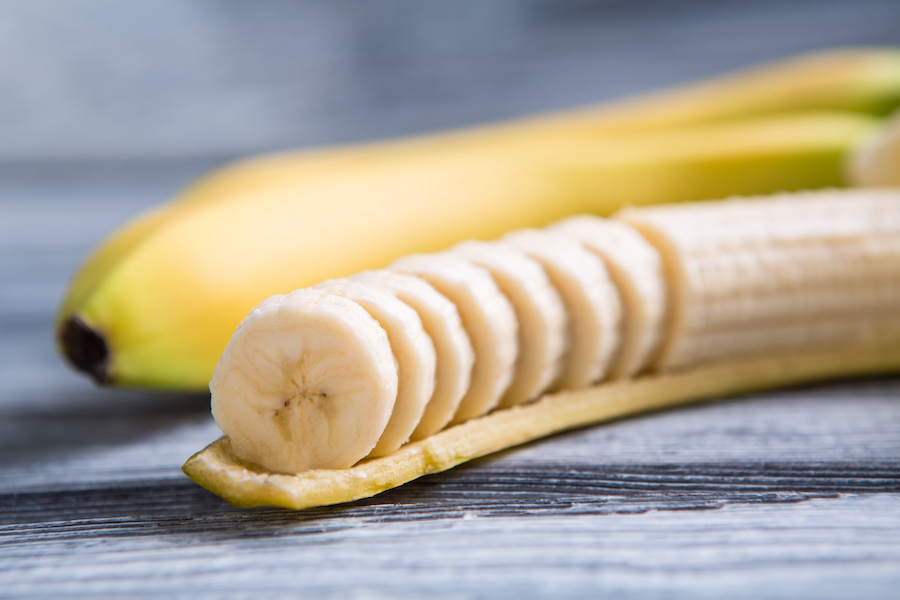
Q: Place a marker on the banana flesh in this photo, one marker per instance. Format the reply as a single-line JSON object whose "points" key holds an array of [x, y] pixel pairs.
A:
{"points": [[489, 320], [453, 349], [413, 351], [590, 300], [539, 312], [636, 270], [876, 163], [301, 371], [764, 276], [699, 284]]}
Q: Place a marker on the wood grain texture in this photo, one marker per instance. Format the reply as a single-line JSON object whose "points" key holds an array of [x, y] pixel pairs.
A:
{"points": [[792, 494], [838, 547]]}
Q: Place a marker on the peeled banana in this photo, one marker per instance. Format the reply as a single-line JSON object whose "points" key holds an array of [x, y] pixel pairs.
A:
{"points": [[700, 286], [876, 162], [156, 305]]}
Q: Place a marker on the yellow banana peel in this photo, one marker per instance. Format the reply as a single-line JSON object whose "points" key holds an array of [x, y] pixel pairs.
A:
{"points": [[218, 468], [156, 304]]}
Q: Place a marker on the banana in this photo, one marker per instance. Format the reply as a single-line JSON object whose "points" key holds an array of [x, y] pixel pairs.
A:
{"points": [[863, 80], [786, 273], [156, 305], [636, 269], [308, 380], [413, 350], [760, 292], [877, 160], [590, 299], [859, 80], [453, 349], [539, 312], [488, 318]]}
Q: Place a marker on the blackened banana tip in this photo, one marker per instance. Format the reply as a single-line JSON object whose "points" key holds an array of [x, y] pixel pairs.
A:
{"points": [[85, 348]]}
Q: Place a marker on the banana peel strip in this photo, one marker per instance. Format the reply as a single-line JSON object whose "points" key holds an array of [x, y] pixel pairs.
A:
{"points": [[244, 485]]}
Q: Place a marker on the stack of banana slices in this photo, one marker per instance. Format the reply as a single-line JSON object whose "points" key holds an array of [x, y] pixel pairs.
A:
{"points": [[324, 377]]}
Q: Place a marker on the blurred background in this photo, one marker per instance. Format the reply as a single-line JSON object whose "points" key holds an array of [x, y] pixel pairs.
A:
{"points": [[109, 107], [100, 80]]}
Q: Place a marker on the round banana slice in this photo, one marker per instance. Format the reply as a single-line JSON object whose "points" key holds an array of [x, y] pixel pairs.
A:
{"points": [[636, 268], [413, 349], [590, 299], [539, 311], [442, 323], [308, 381], [487, 317]]}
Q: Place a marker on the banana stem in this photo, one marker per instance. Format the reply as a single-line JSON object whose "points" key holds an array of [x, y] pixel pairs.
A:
{"points": [[244, 485]]}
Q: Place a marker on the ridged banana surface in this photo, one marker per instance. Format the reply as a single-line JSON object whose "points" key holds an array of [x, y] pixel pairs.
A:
{"points": [[156, 304], [766, 276], [709, 283]]}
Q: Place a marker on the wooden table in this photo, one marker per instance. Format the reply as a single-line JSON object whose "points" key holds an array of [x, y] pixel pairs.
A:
{"points": [[791, 494]]}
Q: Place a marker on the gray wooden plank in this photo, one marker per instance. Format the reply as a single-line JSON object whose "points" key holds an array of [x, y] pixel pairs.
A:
{"points": [[788, 446], [835, 548]]}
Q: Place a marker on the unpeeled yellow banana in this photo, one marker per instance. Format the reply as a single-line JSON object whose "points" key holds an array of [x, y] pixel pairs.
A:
{"points": [[156, 305]]}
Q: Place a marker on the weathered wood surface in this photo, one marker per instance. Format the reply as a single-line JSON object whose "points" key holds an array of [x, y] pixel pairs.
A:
{"points": [[792, 494]]}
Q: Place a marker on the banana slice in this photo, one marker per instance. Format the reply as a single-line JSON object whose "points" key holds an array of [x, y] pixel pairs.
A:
{"points": [[636, 269], [455, 356], [539, 311], [413, 349], [590, 299], [487, 317], [308, 381]]}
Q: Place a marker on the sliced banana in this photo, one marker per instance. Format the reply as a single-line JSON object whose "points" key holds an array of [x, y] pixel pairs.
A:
{"points": [[636, 269], [487, 317], [590, 299], [455, 356], [413, 349], [308, 381], [539, 311]]}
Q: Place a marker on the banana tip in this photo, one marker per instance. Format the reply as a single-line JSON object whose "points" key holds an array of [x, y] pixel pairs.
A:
{"points": [[85, 348]]}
